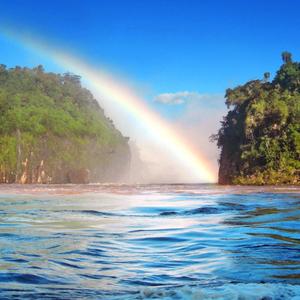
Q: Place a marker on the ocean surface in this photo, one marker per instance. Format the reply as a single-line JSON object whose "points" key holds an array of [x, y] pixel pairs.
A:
{"points": [[149, 242]]}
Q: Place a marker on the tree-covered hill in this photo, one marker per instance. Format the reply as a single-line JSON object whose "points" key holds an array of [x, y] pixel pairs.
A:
{"points": [[52, 130], [260, 136]]}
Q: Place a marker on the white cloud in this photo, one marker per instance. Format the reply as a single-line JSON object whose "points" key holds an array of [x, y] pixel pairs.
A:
{"points": [[178, 97]]}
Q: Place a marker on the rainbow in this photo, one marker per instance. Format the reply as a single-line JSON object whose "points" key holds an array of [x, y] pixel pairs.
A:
{"points": [[119, 93]]}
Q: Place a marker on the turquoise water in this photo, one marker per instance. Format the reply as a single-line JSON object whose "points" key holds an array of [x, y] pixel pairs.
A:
{"points": [[149, 242]]}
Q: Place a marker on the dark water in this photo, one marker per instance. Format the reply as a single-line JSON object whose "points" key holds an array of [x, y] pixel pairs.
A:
{"points": [[156, 242]]}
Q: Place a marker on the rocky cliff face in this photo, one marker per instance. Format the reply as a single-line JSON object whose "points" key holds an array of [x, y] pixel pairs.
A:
{"points": [[54, 131]]}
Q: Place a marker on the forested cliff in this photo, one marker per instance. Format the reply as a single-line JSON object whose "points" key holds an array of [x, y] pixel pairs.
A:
{"points": [[260, 136], [52, 130]]}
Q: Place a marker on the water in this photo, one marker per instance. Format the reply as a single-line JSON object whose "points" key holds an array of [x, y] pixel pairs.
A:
{"points": [[149, 242]]}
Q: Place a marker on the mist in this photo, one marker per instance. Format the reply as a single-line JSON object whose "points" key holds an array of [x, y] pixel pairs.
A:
{"points": [[150, 161], [199, 120]]}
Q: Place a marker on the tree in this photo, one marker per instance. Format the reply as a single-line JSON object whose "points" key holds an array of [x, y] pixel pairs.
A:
{"points": [[286, 57], [267, 76], [260, 136], [50, 123]]}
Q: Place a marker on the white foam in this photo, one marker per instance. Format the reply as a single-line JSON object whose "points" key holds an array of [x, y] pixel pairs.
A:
{"points": [[249, 291]]}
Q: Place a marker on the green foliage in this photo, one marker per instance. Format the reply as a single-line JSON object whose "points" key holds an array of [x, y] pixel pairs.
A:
{"points": [[260, 136], [52, 118]]}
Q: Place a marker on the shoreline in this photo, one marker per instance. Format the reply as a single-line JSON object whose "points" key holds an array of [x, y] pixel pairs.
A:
{"points": [[122, 188]]}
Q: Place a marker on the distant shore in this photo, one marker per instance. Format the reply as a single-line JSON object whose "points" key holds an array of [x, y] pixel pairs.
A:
{"points": [[123, 188]]}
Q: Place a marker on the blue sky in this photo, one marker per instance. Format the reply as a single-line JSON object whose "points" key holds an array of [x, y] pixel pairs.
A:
{"points": [[165, 46]]}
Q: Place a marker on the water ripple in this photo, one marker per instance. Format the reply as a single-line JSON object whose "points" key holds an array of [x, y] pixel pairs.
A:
{"points": [[157, 242]]}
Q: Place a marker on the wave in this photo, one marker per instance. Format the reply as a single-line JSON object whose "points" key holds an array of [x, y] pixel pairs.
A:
{"points": [[27, 279], [200, 210], [195, 211], [241, 291]]}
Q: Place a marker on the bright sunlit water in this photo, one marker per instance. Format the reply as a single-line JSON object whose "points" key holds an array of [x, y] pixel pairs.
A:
{"points": [[156, 242]]}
